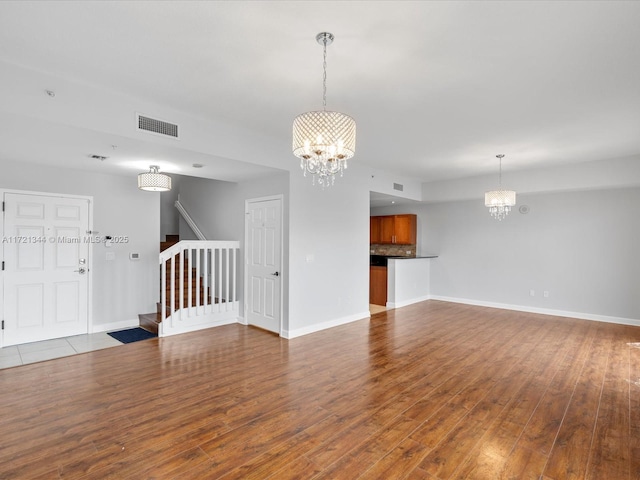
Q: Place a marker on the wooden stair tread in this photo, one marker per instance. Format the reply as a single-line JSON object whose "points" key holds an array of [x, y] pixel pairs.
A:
{"points": [[165, 245], [149, 321], [169, 241]]}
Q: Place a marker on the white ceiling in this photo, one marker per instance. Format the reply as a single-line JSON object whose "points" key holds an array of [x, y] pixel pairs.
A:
{"points": [[437, 88]]}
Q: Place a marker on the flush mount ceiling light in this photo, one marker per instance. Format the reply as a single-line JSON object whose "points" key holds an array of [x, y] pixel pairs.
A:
{"points": [[324, 140], [154, 181], [500, 201]]}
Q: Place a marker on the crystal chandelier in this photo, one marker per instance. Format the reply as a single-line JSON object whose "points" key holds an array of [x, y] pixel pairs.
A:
{"points": [[500, 201], [154, 181], [324, 140]]}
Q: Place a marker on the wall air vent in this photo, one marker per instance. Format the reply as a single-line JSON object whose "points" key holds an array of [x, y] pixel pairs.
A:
{"points": [[398, 186], [159, 127]]}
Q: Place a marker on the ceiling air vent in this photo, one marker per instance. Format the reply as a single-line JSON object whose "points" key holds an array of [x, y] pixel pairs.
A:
{"points": [[398, 186], [159, 127]]}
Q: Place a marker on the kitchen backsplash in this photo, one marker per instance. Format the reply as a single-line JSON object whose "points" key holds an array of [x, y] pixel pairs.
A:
{"points": [[393, 250]]}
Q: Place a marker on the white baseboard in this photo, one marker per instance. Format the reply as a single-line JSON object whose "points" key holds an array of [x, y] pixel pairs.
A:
{"points": [[542, 311], [191, 320], [108, 327], [166, 332], [324, 325], [121, 325], [404, 303]]}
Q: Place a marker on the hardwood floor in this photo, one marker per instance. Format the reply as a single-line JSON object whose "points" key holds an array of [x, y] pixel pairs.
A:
{"points": [[431, 391]]}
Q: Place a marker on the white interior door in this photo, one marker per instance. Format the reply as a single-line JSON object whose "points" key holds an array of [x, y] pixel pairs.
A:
{"points": [[264, 269], [46, 255]]}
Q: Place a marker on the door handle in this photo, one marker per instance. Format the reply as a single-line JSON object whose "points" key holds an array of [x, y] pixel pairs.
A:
{"points": [[277, 274], [81, 271]]}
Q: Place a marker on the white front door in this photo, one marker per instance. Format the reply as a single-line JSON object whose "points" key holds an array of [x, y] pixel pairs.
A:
{"points": [[263, 263], [46, 256]]}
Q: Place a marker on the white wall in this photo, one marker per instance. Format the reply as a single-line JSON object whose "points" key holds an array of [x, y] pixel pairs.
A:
{"points": [[169, 216], [384, 182], [213, 206], [329, 252], [581, 247], [121, 288]]}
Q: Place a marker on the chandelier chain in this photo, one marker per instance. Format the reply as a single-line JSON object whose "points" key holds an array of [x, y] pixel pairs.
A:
{"points": [[324, 76]]}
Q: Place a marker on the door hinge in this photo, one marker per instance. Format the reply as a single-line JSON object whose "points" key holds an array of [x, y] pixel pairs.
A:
{"points": [[3, 265], [2, 324], [3, 206]]}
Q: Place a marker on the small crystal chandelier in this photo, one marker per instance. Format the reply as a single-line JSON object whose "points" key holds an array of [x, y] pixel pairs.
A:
{"points": [[500, 201], [324, 140], [154, 181]]}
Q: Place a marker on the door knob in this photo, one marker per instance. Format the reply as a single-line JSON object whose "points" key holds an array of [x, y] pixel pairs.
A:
{"points": [[81, 270], [276, 274]]}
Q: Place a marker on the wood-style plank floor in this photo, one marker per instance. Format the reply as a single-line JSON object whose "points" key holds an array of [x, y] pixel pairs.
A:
{"points": [[431, 391]]}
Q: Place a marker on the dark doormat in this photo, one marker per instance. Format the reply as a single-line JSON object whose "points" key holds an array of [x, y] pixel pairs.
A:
{"points": [[131, 335]]}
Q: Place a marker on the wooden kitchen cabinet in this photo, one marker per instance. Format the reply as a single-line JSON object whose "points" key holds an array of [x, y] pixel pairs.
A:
{"points": [[375, 230], [405, 229], [387, 229], [394, 229], [378, 285]]}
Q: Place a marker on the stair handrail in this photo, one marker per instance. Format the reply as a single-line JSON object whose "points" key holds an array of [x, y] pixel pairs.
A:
{"points": [[183, 245], [189, 220]]}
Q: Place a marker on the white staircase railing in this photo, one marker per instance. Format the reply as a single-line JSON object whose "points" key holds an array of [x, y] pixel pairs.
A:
{"points": [[199, 286]]}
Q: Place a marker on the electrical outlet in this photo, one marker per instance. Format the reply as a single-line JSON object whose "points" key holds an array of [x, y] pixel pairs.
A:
{"points": [[532, 293], [546, 294]]}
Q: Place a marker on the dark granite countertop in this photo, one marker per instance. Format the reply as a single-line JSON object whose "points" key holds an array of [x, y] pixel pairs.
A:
{"points": [[381, 260]]}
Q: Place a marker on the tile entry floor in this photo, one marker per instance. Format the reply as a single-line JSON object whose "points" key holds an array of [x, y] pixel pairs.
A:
{"points": [[373, 309], [59, 347]]}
